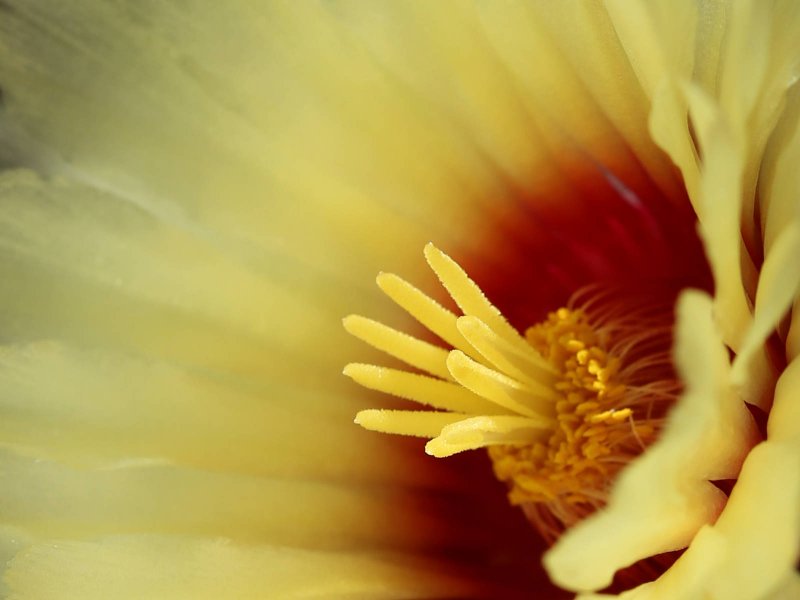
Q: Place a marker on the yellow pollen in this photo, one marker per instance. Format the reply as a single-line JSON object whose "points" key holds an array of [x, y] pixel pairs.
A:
{"points": [[593, 422], [561, 409]]}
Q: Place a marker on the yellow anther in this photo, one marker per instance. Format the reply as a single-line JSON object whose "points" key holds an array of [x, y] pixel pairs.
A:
{"points": [[585, 407], [575, 345], [621, 415], [568, 471]]}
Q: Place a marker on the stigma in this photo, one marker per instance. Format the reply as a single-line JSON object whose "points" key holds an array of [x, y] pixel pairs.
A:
{"points": [[561, 408]]}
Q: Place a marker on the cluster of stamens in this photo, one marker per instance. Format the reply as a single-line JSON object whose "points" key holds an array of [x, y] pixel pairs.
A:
{"points": [[561, 410], [566, 477]]}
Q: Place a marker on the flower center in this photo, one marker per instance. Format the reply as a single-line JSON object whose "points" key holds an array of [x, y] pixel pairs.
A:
{"points": [[604, 417], [561, 410]]}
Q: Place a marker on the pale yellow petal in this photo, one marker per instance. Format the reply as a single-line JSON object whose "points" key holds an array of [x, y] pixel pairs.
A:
{"points": [[93, 408], [761, 50], [779, 177], [751, 551], [597, 56], [200, 96], [778, 285], [237, 159], [761, 523], [196, 568], [788, 589], [173, 110], [48, 499], [784, 418], [663, 498], [658, 38], [560, 85], [89, 264], [670, 107], [583, 559], [718, 205]]}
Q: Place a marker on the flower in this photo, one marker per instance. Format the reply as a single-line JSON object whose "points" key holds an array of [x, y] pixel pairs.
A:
{"points": [[200, 191]]}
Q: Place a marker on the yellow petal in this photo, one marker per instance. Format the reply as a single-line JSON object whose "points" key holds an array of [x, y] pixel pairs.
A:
{"points": [[195, 568], [658, 38], [750, 552], [784, 418], [719, 206], [779, 178], [778, 285], [49, 500], [663, 498], [93, 408]]}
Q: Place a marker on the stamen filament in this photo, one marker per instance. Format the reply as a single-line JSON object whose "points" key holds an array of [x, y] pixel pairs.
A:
{"points": [[526, 365], [425, 390], [499, 388], [410, 350], [477, 432], [429, 313], [416, 423], [469, 296]]}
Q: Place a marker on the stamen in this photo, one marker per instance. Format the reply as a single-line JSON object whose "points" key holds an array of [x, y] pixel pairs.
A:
{"points": [[468, 295], [604, 417], [499, 388], [424, 309], [561, 409], [407, 422], [410, 350], [419, 388]]}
